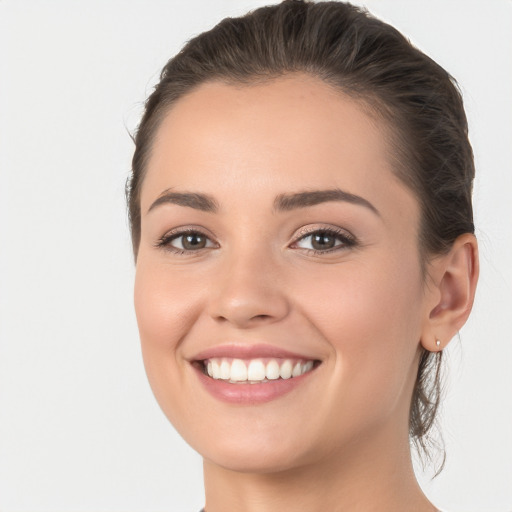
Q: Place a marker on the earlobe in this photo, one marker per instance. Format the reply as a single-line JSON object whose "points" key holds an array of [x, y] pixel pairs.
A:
{"points": [[455, 285]]}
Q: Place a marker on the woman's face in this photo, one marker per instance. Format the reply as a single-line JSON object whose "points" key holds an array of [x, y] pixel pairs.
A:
{"points": [[274, 234]]}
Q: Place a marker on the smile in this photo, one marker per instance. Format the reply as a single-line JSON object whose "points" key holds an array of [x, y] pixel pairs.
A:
{"points": [[246, 380], [247, 374], [255, 371]]}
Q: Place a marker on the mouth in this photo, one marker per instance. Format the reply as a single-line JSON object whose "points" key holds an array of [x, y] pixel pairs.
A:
{"points": [[256, 370], [252, 374]]}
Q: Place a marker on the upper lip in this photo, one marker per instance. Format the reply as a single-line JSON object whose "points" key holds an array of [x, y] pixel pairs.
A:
{"points": [[248, 352]]}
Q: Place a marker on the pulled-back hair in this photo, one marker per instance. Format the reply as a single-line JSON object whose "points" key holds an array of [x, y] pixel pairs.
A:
{"points": [[373, 63]]}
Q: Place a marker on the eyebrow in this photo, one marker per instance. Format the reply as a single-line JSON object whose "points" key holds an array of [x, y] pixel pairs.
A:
{"points": [[282, 203], [203, 202], [287, 202]]}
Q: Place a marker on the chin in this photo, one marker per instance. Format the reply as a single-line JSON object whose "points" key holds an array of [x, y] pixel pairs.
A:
{"points": [[252, 460], [262, 452]]}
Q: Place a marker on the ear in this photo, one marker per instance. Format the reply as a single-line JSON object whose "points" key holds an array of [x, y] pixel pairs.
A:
{"points": [[451, 292]]}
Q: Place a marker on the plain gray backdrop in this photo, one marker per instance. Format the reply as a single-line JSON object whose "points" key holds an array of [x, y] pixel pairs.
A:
{"points": [[79, 428]]}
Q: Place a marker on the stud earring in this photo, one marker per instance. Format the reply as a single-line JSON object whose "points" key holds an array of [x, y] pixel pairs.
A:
{"points": [[438, 343]]}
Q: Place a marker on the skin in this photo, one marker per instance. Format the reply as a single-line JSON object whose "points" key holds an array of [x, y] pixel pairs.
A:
{"points": [[339, 441]]}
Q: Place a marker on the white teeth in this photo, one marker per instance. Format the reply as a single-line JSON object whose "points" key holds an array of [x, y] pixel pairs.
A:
{"points": [[286, 370], [238, 370], [255, 370], [215, 369], [307, 367], [297, 370], [225, 370], [272, 370]]}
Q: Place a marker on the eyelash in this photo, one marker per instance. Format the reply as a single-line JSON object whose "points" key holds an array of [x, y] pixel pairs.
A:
{"points": [[347, 240], [165, 241]]}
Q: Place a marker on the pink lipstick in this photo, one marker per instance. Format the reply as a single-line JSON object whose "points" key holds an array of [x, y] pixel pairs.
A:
{"points": [[246, 374]]}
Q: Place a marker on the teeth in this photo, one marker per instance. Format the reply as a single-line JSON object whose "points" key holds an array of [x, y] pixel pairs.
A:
{"points": [[215, 369], [272, 370], [225, 370], [286, 370], [255, 370], [307, 367], [238, 370]]}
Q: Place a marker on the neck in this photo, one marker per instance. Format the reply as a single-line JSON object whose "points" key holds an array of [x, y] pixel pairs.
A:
{"points": [[373, 475]]}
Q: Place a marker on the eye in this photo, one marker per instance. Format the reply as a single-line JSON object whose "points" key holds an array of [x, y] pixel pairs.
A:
{"points": [[325, 240], [189, 240]]}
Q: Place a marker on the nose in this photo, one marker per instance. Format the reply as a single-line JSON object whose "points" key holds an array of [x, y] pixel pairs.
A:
{"points": [[248, 291]]}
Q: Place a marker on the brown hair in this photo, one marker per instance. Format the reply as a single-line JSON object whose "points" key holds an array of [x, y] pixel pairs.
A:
{"points": [[370, 61]]}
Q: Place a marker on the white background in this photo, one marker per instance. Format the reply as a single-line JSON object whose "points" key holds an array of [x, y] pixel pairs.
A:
{"points": [[79, 428]]}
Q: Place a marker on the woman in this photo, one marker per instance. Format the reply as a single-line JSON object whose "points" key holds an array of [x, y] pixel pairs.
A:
{"points": [[302, 226]]}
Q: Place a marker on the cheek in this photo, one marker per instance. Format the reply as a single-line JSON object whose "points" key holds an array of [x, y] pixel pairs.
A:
{"points": [[163, 305], [367, 315], [165, 315], [360, 304], [153, 310]]}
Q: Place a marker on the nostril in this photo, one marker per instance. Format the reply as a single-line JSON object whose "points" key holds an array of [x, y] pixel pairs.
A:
{"points": [[248, 307]]}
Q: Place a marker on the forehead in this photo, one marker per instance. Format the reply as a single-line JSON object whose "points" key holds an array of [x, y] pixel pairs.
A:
{"points": [[294, 132]]}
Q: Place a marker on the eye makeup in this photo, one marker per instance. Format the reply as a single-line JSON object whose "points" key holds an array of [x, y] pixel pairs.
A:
{"points": [[322, 240]]}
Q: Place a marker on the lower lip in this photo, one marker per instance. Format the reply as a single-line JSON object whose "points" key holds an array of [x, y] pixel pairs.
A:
{"points": [[246, 393]]}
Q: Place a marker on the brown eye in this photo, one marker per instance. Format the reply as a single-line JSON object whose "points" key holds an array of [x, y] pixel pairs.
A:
{"points": [[192, 241], [322, 240], [185, 241], [325, 240]]}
